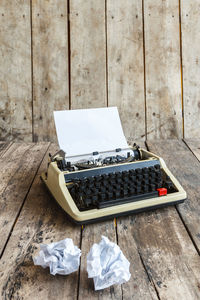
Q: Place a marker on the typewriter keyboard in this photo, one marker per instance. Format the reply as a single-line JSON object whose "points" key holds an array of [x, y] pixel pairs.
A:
{"points": [[119, 187]]}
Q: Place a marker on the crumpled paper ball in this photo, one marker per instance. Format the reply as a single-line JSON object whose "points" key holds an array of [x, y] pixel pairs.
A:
{"points": [[61, 257], [107, 265]]}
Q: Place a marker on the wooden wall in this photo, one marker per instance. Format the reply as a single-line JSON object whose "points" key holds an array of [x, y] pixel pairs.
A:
{"points": [[141, 55]]}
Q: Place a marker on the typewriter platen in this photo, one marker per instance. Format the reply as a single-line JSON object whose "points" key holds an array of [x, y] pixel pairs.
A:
{"points": [[110, 184]]}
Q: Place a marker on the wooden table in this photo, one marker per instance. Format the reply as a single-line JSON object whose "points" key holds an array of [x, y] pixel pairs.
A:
{"points": [[162, 246]]}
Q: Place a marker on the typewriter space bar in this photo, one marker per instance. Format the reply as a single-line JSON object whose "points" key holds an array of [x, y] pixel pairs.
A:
{"points": [[104, 204]]}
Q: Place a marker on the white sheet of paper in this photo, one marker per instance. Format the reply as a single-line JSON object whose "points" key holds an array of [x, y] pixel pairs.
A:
{"points": [[84, 131]]}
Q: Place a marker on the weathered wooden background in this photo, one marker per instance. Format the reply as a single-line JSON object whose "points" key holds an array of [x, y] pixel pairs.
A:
{"points": [[141, 55]]}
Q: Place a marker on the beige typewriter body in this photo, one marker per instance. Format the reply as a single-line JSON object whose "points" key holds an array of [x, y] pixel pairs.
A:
{"points": [[55, 181]]}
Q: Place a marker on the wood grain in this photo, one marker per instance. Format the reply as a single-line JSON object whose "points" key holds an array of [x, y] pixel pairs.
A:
{"points": [[15, 71], [125, 64], [163, 77], [88, 54], [140, 286], [194, 146], [41, 221], [18, 168], [185, 167], [190, 22], [50, 65], [4, 147], [166, 252]]}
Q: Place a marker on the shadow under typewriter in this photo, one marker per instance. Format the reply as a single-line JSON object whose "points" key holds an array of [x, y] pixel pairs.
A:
{"points": [[117, 188]]}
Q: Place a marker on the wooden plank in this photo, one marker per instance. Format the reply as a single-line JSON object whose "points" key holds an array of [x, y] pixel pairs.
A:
{"points": [[194, 146], [139, 286], [185, 167], [92, 234], [50, 65], [190, 23], [125, 64], [4, 147], [41, 221], [18, 168], [10, 161], [88, 54], [163, 77], [15, 71]]}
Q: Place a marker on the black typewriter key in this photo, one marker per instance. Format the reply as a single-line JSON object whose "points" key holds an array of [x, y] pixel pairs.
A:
{"points": [[111, 181], [132, 191], [124, 173], [125, 186], [110, 188], [88, 192], [126, 179], [157, 167], [111, 175], [125, 192], [137, 183], [109, 195], [94, 190], [159, 177], [169, 185], [130, 182], [103, 189], [94, 199], [151, 169], [97, 184], [132, 172], [84, 183], [133, 177], [106, 177], [145, 181], [152, 175], [139, 177], [145, 188], [138, 189], [152, 181], [90, 185], [119, 181], [102, 197], [117, 187], [89, 181], [145, 176], [145, 170], [97, 178], [102, 177], [105, 183], [117, 194], [158, 185], [138, 171], [88, 201], [152, 187]]}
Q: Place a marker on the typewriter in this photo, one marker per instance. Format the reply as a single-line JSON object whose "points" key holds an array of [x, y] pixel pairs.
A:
{"points": [[97, 175], [112, 183]]}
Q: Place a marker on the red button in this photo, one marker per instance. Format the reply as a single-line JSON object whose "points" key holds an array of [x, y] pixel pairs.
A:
{"points": [[162, 192]]}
